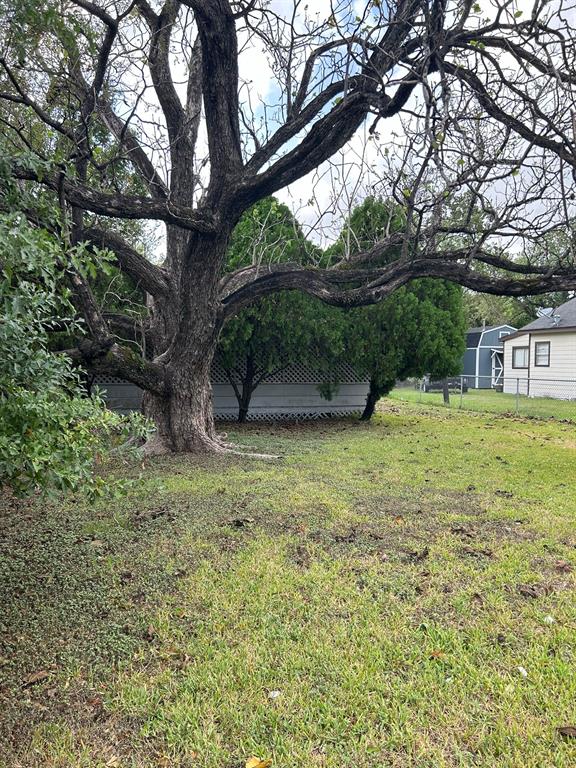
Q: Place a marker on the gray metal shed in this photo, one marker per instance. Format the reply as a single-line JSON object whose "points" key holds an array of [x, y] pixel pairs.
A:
{"points": [[289, 394], [483, 363]]}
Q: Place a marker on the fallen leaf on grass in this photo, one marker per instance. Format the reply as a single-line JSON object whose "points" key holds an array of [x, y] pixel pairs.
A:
{"points": [[417, 557], [534, 590], [346, 538], [477, 598], [528, 590], [567, 731], [255, 762], [126, 576], [35, 677], [145, 516], [477, 552]]}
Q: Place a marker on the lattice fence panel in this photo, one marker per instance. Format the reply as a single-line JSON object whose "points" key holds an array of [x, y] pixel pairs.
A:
{"points": [[294, 374], [293, 416], [102, 379]]}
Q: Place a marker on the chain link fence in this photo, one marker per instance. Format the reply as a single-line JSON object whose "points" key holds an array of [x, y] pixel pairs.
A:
{"points": [[519, 395]]}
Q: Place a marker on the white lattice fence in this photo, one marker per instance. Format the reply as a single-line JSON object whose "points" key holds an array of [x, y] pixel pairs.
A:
{"points": [[290, 394], [293, 374]]}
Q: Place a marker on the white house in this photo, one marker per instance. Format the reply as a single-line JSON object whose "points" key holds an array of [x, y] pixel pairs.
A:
{"points": [[540, 358]]}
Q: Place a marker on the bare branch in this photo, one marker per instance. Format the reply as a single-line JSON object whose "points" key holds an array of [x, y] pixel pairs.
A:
{"points": [[119, 206]]}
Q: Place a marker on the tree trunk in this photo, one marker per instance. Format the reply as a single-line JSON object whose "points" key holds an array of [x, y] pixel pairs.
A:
{"points": [[187, 326], [371, 400], [247, 390], [445, 392], [184, 417], [244, 406]]}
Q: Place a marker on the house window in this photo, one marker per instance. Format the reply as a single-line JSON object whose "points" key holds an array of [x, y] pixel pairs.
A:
{"points": [[520, 357], [503, 333], [542, 354]]}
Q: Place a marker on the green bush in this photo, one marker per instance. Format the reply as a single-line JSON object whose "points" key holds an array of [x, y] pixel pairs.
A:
{"points": [[51, 433]]}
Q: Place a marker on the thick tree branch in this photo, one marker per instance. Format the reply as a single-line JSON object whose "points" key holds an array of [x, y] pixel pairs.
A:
{"points": [[148, 276], [159, 61], [85, 301], [116, 360], [217, 30], [361, 92], [117, 205], [350, 288]]}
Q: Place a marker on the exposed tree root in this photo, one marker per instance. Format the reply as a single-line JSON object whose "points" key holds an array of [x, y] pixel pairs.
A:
{"points": [[201, 446]]}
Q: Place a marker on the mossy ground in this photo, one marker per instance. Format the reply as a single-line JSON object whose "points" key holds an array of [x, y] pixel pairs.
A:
{"points": [[386, 581]]}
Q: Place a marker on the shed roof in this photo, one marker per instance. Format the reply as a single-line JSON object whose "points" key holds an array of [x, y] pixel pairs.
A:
{"points": [[473, 335]]}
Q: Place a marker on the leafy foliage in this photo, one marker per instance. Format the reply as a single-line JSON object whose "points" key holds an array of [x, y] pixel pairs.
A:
{"points": [[51, 434], [281, 329], [418, 329]]}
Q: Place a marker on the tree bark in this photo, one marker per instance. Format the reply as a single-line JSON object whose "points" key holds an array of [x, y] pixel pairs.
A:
{"points": [[247, 390], [184, 417], [445, 392], [371, 400], [185, 330]]}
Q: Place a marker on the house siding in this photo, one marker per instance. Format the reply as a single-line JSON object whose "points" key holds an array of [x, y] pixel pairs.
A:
{"points": [[556, 380], [469, 366], [477, 362], [515, 379]]}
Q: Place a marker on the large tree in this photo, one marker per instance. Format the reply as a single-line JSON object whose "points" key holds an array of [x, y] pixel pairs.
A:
{"points": [[450, 95]]}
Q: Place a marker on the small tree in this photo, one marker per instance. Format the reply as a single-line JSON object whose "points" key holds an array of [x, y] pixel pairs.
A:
{"points": [[419, 329], [281, 329]]}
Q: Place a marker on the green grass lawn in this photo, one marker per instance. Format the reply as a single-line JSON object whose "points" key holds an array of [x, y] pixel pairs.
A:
{"points": [[393, 594], [490, 401]]}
